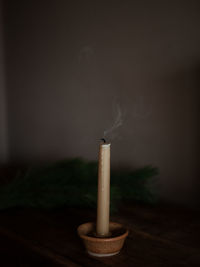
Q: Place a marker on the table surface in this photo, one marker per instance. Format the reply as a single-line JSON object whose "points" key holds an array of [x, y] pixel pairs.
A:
{"points": [[159, 236]]}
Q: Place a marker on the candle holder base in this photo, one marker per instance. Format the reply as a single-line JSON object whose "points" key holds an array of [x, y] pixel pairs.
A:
{"points": [[102, 246], [102, 255]]}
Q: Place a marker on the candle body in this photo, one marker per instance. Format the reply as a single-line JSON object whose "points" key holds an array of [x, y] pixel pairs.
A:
{"points": [[103, 199]]}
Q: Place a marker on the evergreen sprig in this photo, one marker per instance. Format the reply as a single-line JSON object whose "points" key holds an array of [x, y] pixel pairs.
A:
{"points": [[74, 183]]}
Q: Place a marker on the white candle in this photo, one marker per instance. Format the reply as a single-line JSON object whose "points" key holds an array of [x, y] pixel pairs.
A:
{"points": [[103, 199]]}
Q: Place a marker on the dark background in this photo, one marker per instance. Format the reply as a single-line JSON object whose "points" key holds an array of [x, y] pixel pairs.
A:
{"points": [[66, 65]]}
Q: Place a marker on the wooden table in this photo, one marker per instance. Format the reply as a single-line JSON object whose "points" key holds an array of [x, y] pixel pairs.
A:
{"points": [[159, 236]]}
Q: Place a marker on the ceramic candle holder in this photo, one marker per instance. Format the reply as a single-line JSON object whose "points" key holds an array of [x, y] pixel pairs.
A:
{"points": [[102, 246]]}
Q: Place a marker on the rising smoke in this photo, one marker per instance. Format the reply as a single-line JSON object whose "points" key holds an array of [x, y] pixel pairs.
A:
{"points": [[118, 121]]}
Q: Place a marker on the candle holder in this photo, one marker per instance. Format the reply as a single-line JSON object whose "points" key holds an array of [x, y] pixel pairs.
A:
{"points": [[102, 246]]}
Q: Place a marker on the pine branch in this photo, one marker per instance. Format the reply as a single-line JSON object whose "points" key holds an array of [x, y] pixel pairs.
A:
{"points": [[74, 183]]}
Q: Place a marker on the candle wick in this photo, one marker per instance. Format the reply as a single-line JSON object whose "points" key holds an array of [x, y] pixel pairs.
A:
{"points": [[104, 140]]}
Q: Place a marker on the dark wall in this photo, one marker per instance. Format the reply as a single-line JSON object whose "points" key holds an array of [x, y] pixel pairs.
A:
{"points": [[3, 111], [72, 64]]}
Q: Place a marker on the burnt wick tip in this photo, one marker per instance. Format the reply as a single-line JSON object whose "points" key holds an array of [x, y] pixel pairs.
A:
{"points": [[104, 140]]}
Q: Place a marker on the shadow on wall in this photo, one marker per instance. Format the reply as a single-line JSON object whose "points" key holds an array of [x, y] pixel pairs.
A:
{"points": [[180, 119]]}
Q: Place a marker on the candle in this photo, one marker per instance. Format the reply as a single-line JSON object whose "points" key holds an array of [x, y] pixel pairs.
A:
{"points": [[103, 199]]}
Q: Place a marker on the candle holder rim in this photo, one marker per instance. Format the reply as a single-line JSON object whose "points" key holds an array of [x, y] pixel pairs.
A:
{"points": [[103, 239]]}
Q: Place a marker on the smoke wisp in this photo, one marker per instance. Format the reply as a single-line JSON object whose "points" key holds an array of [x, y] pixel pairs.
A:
{"points": [[111, 131]]}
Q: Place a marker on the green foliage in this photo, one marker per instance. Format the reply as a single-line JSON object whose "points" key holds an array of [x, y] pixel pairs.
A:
{"points": [[74, 183]]}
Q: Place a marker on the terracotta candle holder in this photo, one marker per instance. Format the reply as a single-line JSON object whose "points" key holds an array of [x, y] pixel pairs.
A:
{"points": [[102, 246]]}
